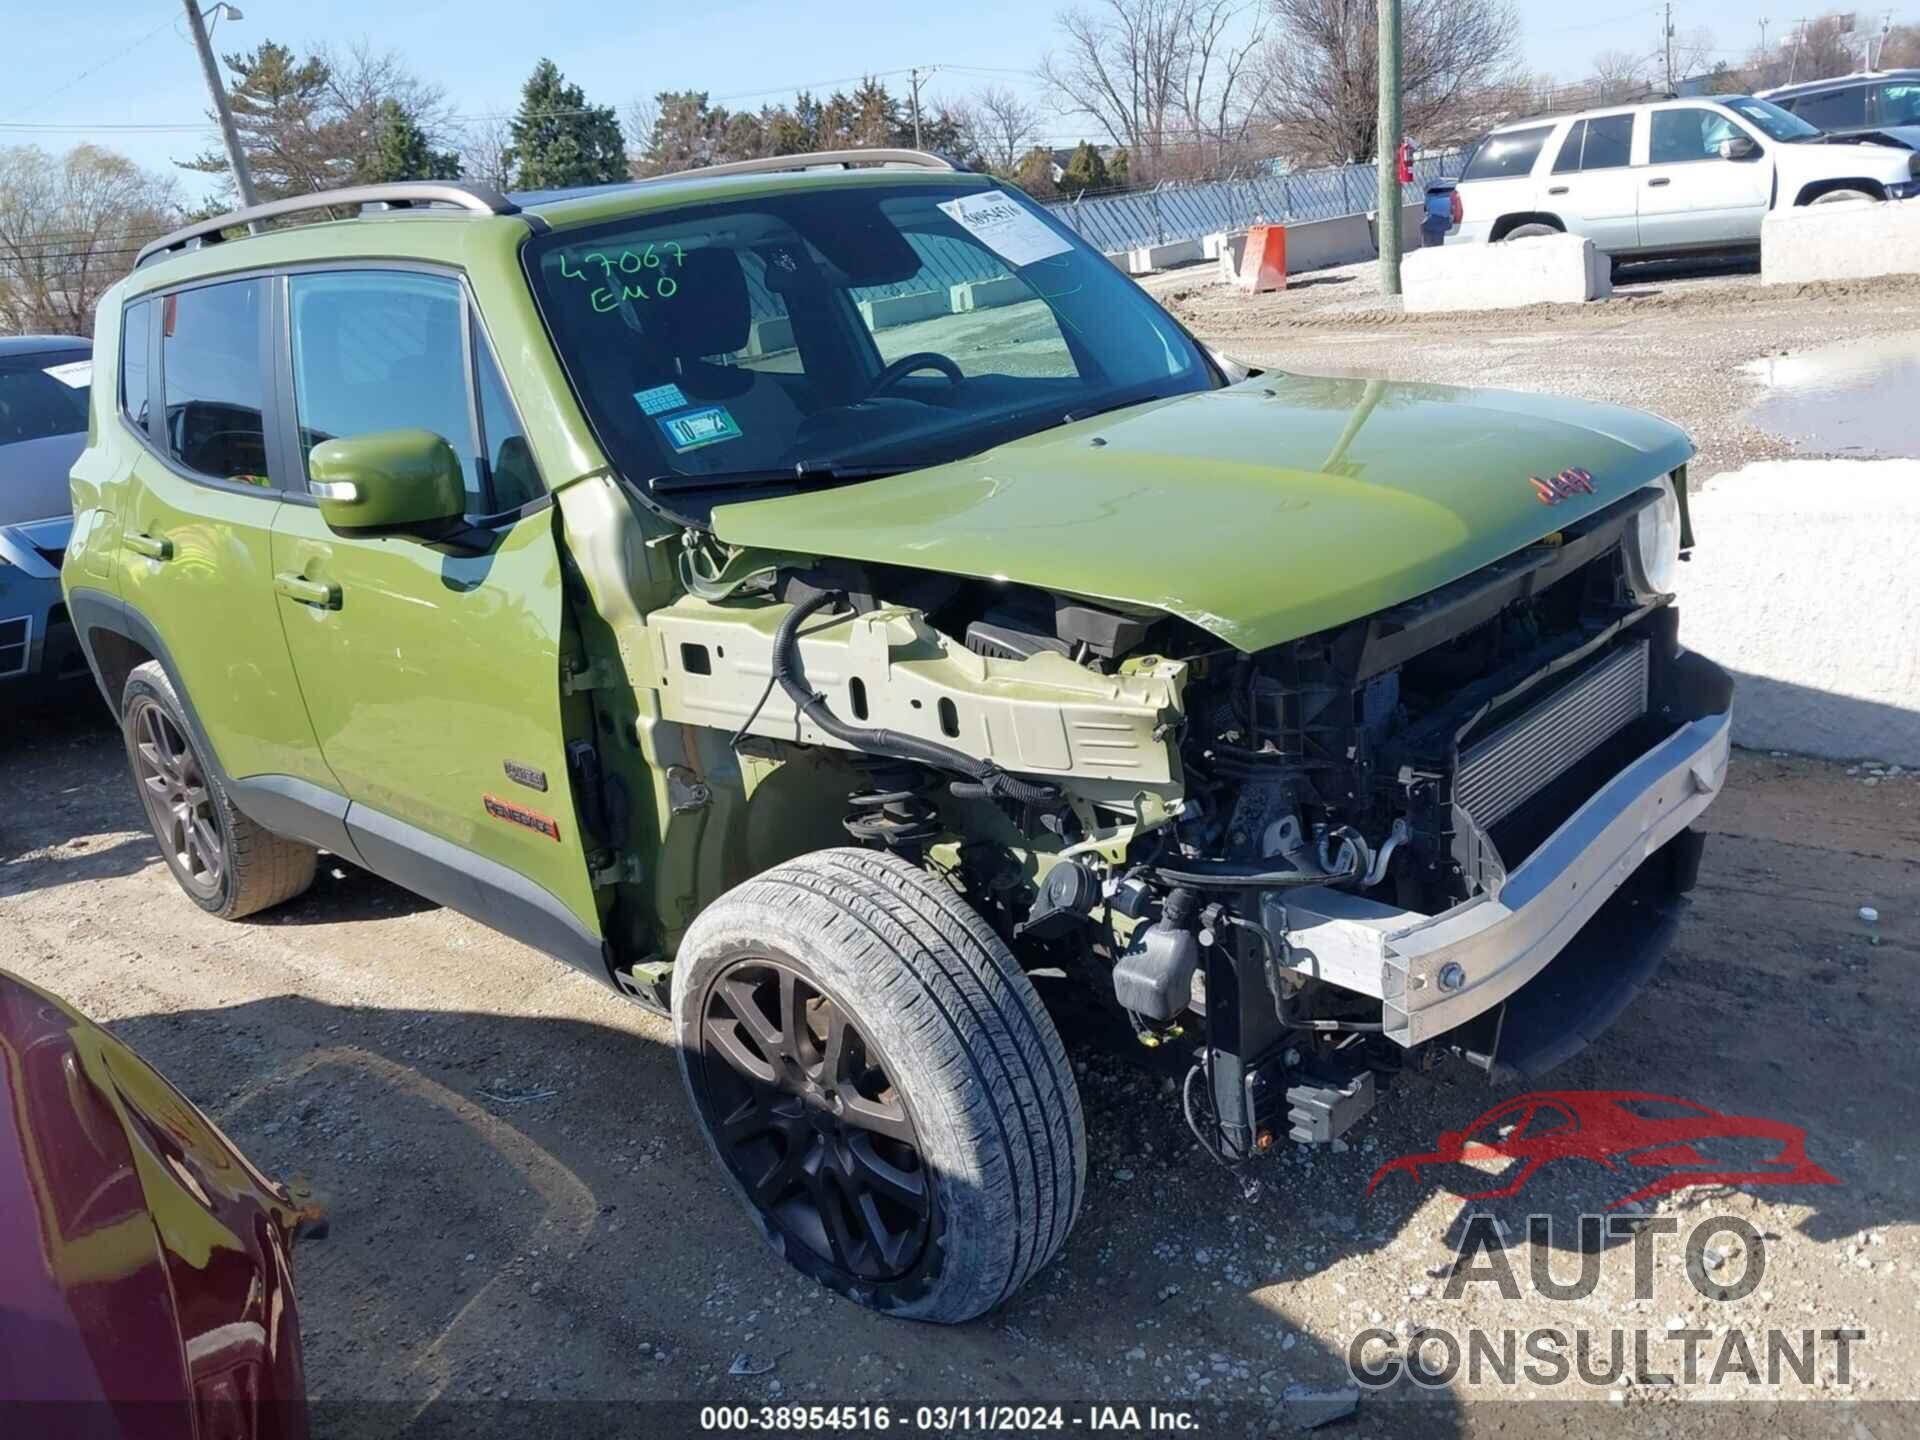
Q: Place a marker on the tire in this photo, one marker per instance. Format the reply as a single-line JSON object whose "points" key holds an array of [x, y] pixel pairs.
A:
{"points": [[1527, 232], [948, 1070], [227, 865], [1834, 197]]}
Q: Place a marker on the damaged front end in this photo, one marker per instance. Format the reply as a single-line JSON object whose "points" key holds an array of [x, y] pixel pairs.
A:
{"points": [[1456, 825]]}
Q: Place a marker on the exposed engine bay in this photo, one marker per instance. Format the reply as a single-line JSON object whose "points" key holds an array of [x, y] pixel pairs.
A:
{"points": [[1258, 847]]}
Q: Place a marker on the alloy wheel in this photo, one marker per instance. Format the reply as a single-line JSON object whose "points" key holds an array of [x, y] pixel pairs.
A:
{"points": [[808, 1119], [178, 798]]}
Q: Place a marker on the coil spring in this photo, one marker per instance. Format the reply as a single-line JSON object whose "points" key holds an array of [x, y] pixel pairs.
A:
{"points": [[894, 810]]}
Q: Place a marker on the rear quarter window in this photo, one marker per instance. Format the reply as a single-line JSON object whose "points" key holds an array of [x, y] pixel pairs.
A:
{"points": [[1842, 109], [1506, 155]]}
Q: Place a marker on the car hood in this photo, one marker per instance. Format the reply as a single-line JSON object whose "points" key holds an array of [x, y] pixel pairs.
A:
{"points": [[33, 477], [1831, 157], [1260, 512]]}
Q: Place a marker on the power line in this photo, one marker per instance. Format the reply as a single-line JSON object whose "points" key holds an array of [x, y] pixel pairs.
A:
{"points": [[92, 70]]}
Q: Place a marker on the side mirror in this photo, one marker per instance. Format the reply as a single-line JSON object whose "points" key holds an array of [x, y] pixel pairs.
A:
{"points": [[392, 482], [1740, 147]]}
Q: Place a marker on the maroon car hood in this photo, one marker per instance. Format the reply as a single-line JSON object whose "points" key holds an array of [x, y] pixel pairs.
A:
{"points": [[142, 1259]]}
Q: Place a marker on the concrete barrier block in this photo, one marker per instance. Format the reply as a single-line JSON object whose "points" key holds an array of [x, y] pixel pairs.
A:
{"points": [[892, 310], [1548, 269], [1226, 249], [770, 337], [1318, 244], [987, 294], [1148, 258], [1842, 241]]}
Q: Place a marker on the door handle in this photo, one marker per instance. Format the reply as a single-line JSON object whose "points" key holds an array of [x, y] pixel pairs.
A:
{"points": [[1556, 190], [154, 547], [1661, 180], [321, 593]]}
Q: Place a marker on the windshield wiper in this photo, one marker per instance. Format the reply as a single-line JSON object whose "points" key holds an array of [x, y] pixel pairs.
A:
{"points": [[801, 473]]}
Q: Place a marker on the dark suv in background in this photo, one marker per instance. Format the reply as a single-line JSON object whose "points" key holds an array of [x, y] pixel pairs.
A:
{"points": [[1875, 104]]}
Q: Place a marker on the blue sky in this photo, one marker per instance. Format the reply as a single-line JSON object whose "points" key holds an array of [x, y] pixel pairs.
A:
{"points": [[144, 71]]}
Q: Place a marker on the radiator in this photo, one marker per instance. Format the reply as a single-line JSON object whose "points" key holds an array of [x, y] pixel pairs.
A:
{"points": [[1501, 773]]}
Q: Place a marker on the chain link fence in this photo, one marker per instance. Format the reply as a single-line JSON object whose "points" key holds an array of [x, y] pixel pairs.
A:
{"points": [[1186, 212]]}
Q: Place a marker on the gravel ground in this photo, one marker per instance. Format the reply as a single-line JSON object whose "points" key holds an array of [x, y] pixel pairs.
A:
{"points": [[1675, 340], [523, 1211]]}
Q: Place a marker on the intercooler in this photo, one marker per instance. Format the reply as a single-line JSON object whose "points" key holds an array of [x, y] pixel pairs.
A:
{"points": [[1501, 773]]}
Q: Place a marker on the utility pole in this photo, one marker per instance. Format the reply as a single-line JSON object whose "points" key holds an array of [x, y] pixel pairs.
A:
{"points": [[1387, 148], [916, 106], [236, 157], [1667, 40]]}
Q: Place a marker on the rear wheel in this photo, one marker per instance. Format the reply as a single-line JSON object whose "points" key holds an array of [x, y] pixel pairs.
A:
{"points": [[880, 1084], [228, 865], [1525, 232]]}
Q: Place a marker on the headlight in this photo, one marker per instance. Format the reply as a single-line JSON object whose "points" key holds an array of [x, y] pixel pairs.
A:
{"points": [[1653, 556]]}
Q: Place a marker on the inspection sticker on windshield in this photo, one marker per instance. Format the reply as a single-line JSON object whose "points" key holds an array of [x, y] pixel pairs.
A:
{"points": [[1004, 226], [660, 399], [707, 426]]}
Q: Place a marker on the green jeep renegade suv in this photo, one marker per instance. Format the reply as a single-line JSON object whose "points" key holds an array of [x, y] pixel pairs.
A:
{"points": [[811, 595]]}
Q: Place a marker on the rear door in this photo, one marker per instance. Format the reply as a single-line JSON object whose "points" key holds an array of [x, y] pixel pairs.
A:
{"points": [[1688, 196], [433, 676], [196, 544], [1592, 185], [1840, 109]]}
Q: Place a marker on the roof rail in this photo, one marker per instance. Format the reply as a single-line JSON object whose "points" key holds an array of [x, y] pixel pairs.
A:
{"points": [[819, 160], [400, 195]]}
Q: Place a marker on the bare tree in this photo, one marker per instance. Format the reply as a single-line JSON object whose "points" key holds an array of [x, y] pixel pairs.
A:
{"points": [[1323, 71], [1156, 76], [998, 126], [1620, 75], [69, 227], [483, 152]]}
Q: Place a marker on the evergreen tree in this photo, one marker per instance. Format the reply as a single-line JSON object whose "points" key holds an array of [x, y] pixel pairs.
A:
{"points": [[403, 152], [1035, 175], [559, 140], [293, 145], [1117, 169], [1085, 170]]}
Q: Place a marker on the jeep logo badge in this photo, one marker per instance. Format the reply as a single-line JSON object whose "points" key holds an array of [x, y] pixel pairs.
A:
{"points": [[1567, 482]]}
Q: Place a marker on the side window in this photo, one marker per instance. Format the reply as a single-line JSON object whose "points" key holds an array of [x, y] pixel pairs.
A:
{"points": [[1679, 136], [1842, 109], [1568, 160], [136, 331], [1609, 143], [509, 460], [1508, 154], [383, 350], [1900, 102], [213, 380]]}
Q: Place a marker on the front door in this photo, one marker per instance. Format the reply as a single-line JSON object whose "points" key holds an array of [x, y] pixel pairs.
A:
{"points": [[1689, 196], [433, 678]]}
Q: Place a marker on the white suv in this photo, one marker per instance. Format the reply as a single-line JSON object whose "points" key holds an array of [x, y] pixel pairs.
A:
{"points": [[1666, 177]]}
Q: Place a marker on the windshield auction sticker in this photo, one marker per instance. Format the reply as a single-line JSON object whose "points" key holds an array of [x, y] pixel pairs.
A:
{"points": [[1004, 226]]}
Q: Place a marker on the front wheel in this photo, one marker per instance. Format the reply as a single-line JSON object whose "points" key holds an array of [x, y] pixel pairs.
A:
{"points": [[880, 1084], [1835, 197]]}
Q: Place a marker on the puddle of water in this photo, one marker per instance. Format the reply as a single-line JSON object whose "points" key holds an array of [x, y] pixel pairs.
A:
{"points": [[1855, 398]]}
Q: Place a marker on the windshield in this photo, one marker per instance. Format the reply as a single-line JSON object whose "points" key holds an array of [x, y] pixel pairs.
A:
{"points": [[1779, 124], [844, 330], [43, 395]]}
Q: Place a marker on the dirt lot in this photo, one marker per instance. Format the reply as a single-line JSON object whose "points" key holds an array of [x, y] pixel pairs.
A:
{"points": [[1676, 340], [522, 1208]]}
